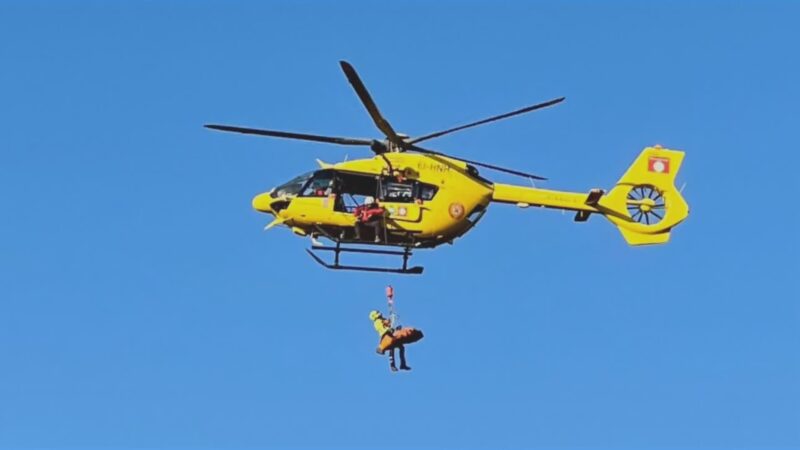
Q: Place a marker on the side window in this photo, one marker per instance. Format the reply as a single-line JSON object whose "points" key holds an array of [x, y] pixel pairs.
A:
{"points": [[352, 189], [427, 191], [320, 186], [394, 191]]}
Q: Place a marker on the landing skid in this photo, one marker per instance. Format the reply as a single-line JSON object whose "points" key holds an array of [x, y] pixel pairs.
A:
{"points": [[338, 250]]}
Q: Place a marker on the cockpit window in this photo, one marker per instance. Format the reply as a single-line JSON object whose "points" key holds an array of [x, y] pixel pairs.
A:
{"points": [[321, 185], [293, 187]]}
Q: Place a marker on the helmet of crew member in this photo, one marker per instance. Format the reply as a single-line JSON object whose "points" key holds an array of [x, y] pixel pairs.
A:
{"points": [[374, 314]]}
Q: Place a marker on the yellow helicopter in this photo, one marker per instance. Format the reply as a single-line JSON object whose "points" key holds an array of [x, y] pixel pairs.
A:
{"points": [[426, 198]]}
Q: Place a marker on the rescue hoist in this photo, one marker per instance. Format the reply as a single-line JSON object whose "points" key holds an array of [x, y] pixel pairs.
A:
{"points": [[399, 335]]}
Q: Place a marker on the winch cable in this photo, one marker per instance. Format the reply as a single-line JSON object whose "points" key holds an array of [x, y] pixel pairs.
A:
{"points": [[393, 318]]}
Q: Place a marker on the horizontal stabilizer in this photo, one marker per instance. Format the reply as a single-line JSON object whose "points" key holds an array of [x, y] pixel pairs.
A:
{"points": [[591, 200], [582, 216], [594, 197]]}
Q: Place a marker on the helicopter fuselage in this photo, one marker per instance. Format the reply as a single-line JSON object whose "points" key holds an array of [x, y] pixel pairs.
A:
{"points": [[428, 199]]}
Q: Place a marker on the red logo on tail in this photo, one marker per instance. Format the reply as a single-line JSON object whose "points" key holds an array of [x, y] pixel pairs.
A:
{"points": [[658, 165]]}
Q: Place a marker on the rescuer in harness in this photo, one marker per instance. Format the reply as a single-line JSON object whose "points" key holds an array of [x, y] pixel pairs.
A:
{"points": [[370, 214], [387, 340]]}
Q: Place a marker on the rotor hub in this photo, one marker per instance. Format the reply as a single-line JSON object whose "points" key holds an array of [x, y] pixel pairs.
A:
{"points": [[647, 205]]}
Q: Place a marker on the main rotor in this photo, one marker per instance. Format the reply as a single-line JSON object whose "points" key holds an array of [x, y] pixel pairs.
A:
{"points": [[393, 141]]}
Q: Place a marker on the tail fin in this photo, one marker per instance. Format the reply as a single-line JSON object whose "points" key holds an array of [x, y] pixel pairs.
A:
{"points": [[645, 204]]}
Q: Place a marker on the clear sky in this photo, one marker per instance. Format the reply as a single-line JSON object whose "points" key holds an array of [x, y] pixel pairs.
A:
{"points": [[142, 305]]}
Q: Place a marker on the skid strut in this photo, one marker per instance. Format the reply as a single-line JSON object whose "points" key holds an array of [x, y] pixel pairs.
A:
{"points": [[338, 250]]}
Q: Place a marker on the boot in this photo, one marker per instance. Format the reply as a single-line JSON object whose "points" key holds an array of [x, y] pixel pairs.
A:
{"points": [[393, 368], [404, 367]]}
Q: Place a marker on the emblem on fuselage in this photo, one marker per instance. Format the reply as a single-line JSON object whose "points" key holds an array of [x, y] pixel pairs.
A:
{"points": [[456, 210]]}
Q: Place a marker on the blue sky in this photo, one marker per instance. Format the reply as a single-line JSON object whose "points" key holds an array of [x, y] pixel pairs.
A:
{"points": [[141, 305]]}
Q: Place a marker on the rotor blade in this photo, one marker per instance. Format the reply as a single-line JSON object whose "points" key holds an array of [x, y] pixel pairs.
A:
{"points": [[366, 99], [477, 163], [490, 119], [284, 134]]}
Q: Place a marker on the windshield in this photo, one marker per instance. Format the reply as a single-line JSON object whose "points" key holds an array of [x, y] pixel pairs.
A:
{"points": [[293, 187]]}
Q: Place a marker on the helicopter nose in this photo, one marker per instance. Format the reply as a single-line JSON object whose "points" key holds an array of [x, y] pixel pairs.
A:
{"points": [[261, 202]]}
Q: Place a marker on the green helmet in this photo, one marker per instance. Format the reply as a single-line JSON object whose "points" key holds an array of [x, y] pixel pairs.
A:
{"points": [[374, 314]]}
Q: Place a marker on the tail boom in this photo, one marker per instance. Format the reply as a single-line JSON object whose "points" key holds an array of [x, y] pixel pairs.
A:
{"points": [[644, 204], [524, 196]]}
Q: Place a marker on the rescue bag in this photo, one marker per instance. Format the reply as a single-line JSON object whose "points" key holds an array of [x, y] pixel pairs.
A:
{"points": [[402, 336]]}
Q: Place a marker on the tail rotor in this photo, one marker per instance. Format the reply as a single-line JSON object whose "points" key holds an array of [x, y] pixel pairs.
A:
{"points": [[646, 204]]}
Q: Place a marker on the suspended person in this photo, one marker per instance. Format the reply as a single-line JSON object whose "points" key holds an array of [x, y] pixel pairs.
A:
{"points": [[369, 215], [387, 340]]}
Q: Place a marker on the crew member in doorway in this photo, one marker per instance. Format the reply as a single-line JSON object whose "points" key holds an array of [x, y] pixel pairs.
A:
{"points": [[369, 215]]}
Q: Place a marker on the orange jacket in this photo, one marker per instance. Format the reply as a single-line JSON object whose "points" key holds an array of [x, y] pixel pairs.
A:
{"points": [[365, 213]]}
